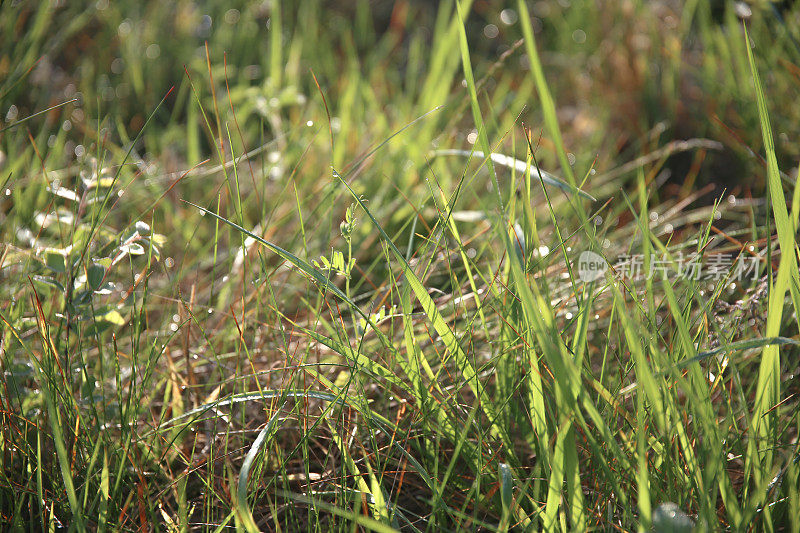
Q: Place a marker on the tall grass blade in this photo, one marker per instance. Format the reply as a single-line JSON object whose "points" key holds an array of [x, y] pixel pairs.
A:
{"points": [[768, 389]]}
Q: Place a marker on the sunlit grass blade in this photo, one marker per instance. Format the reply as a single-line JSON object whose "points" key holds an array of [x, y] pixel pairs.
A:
{"points": [[768, 389]]}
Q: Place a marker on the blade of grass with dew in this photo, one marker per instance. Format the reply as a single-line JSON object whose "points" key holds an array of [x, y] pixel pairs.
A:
{"points": [[768, 390], [246, 515]]}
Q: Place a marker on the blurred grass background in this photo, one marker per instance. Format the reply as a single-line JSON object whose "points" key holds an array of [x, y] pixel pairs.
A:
{"points": [[143, 351]]}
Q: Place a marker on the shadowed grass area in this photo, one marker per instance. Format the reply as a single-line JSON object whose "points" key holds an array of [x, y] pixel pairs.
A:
{"points": [[420, 266]]}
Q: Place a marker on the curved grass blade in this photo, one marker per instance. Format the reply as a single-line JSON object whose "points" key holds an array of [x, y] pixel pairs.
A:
{"points": [[244, 473], [520, 166]]}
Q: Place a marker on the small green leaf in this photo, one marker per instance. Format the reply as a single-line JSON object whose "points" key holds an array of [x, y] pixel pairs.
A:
{"points": [[94, 275], [55, 260]]}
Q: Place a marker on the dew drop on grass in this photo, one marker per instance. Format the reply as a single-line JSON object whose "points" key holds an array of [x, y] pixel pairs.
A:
{"points": [[568, 316], [732, 199], [508, 16], [579, 36], [310, 123], [153, 51], [173, 326], [8, 192], [491, 31], [169, 262], [231, 16], [742, 10], [176, 318], [472, 137]]}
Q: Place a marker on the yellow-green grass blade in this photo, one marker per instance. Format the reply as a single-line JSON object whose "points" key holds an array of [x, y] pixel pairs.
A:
{"points": [[768, 393]]}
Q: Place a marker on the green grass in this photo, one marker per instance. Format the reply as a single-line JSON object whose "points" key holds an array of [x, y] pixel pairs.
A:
{"points": [[411, 340]]}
